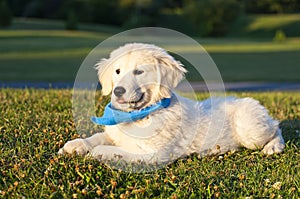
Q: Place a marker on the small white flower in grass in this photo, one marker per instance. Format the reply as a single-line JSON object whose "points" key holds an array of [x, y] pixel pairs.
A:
{"points": [[267, 181], [277, 185]]}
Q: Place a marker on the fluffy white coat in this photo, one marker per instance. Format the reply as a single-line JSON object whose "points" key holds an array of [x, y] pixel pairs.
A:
{"points": [[147, 73]]}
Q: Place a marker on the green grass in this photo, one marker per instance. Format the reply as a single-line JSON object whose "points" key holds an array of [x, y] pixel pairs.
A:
{"points": [[38, 50], [39, 55], [45, 24], [60, 53], [266, 25], [34, 124]]}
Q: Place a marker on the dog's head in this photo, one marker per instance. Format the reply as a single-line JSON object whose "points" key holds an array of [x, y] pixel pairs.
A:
{"points": [[138, 75]]}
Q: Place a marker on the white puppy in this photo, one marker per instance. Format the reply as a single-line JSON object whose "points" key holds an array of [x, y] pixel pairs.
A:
{"points": [[141, 75]]}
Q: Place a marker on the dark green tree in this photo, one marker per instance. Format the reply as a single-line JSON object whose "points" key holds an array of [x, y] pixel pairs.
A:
{"points": [[272, 6], [212, 17], [18, 6], [72, 21], [142, 13], [5, 14], [105, 12]]}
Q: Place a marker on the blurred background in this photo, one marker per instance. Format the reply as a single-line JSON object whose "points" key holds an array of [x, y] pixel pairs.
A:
{"points": [[45, 41]]}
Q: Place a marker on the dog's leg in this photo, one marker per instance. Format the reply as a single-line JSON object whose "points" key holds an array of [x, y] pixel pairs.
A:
{"points": [[276, 145], [83, 146], [255, 129], [114, 153]]}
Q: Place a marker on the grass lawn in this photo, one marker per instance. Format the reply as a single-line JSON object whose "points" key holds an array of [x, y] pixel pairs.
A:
{"points": [[266, 25], [41, 51], [34, 124]]}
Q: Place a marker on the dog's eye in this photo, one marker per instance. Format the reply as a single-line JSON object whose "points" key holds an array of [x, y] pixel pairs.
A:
{"points": [[118, 71], [138, 72]]}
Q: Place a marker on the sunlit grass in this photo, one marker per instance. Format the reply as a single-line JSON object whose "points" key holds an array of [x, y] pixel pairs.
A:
{"points": [[51, 33], [55, 55], [241, 46], [13, 38], [45, 54], [265, 26], [273, 21], [34, 124], [47, 24]]}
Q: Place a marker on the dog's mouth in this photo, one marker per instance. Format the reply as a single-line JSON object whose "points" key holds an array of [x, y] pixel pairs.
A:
{"points": [[132, 101], [137, 103]]}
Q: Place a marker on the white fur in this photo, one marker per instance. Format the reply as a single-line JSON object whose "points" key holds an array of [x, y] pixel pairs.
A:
{"points": [[213, 126]]}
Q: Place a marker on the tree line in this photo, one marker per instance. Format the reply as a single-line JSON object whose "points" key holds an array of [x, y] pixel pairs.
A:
{"points": [[202, 17]]}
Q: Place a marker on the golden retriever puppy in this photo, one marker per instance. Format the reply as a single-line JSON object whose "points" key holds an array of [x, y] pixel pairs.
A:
{"points": [[147, 121]]}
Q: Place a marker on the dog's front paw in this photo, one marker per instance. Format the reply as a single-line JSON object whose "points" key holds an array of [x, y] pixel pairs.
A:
{"points": [[78, 146], [103, 153]]}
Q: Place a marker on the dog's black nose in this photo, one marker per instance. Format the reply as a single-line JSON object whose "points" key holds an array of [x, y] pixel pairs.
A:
{"points": [[119, 91]]}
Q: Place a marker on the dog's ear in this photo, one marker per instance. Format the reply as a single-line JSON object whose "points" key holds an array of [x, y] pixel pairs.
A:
{"points": [[172, 71], [105, 71]]}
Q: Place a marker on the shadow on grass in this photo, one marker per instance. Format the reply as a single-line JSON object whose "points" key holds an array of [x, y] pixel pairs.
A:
{"points": [[291, 131]]}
